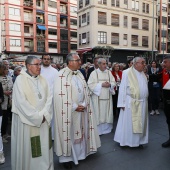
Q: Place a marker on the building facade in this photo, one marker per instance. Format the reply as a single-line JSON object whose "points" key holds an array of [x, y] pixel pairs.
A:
{"points": [[38, 27], [129, 26]]}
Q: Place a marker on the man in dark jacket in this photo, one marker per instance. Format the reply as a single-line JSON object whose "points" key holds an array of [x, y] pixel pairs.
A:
{"points": [[166, 96]]}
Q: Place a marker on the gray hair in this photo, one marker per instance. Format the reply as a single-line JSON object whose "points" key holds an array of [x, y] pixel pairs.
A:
{"points": [[167, 57], [30, 59], [3, 61], [100, 60], [136, 59], [17, 68], [70, 57]]}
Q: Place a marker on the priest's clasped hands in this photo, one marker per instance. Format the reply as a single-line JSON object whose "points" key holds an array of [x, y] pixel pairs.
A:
{"points": [[80, 108], [106, 84]]}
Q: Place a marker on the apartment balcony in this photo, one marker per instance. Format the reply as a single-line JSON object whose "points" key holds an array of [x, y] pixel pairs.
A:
{"points": [[28, 3], [63, 11], [40, 36], [40, 21], [28, 48], [40, 6], [28, 35], [28, 19]]}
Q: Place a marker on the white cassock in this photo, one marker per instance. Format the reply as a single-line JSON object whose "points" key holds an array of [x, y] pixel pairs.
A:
{"points": [[102, 99], [50, 73], [31, 101], [124, 131]]}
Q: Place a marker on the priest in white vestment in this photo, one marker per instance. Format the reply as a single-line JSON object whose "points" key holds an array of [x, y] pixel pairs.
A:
{"points": [[101, 84], [31, 143], [132, 126], [49, 73], [76, 134]]}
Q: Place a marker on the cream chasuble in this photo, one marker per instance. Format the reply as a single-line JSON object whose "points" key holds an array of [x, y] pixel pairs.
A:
{"points": [[30, 138], [71, 126], [102, 98]]}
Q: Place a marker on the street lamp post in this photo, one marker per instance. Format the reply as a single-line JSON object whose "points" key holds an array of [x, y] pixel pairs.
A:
{"points": [[153, 32]]}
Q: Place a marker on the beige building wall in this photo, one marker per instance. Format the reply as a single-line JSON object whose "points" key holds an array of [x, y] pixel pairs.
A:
{"points": [[123, 10]]}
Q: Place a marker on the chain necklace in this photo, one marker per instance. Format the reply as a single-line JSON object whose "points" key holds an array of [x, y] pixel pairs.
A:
{"points": [[36, 85]]}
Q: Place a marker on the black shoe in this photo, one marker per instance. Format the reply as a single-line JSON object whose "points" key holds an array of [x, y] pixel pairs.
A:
{"points": [[67, 165], [166, 144], [140, 146]]}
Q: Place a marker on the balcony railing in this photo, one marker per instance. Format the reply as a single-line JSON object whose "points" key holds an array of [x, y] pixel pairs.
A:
{"points": [[30, 34], [28, 3], [40, 49], [40, 21], [28, 19], [40, 36]]}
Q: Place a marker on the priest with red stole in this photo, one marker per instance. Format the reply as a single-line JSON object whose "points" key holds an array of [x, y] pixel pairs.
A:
{"points": [[166, 96]]}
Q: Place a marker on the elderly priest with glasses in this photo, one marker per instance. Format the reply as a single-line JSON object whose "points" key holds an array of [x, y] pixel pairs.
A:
{"points": [[31, 144], [75, 129]]}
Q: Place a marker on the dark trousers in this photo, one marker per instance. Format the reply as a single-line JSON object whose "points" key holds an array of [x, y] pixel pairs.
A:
{"points": [[5, 117], [115, 109], [155, 97], [166, 100]]}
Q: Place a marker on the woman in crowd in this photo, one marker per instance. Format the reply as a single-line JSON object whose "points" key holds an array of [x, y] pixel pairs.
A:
{"points": [[2, 158], [155, 73], [118, 76], [7, 85]]}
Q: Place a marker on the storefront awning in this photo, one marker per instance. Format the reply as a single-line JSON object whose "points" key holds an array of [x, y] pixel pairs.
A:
{"points": [[83, 50], [41, 27]]}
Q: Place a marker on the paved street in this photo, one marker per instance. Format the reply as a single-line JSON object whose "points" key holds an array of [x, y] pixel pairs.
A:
{"points": [[113, 157]]}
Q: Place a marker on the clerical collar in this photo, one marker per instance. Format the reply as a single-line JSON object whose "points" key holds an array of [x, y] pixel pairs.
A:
{"points": [[75, 72], [30, 74]]}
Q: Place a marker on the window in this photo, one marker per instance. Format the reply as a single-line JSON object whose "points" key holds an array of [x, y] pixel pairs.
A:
{"points": [[145, 8], [144, 41], [104, 2], [14, 27], [102, 37], [80, 4], [73, 46], [86, 2], [163, 33], [52, 18], [145, 24], [52, 4], [52, 31], [134, 41], [83, 41], [164, 20], [115, 3], [73, 34], [115, 20], [79, 21], [115, 38], [14, 11], [135, 5], [79, 39], [125, 21], [101, 17], [135, 22], [164, 7], [163, 46], [14, 42], [126, 2], [73, 21], [84, 18], [26, 29], [88, 37], [125, 42], [88, 18], [52, 45], [73, 9]]}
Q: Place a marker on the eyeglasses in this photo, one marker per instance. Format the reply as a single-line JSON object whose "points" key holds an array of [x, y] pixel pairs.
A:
{"points": [[46, 58], [78, 60], [37, 65]]}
